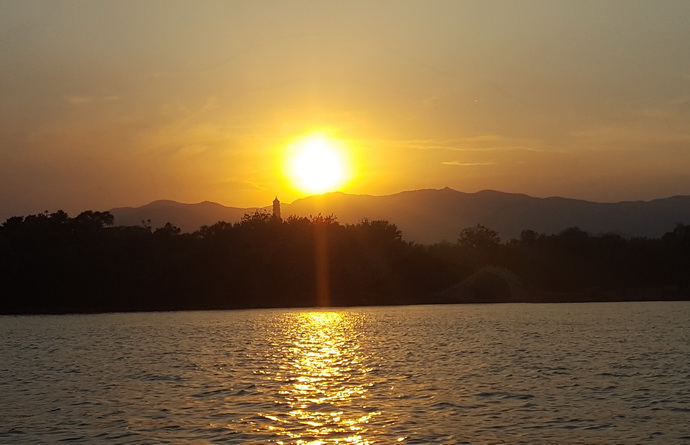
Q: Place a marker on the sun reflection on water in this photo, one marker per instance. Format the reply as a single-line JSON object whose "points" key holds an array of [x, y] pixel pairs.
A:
{"points": [[323, 381]]}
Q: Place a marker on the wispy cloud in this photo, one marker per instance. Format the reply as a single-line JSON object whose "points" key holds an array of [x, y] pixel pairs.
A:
{"points": [[467, 164], [81, 100], [483, 143], [257, 185]]}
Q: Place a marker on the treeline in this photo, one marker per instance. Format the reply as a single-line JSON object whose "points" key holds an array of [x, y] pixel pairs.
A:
{"points": [[52, 263], [574, 265]]}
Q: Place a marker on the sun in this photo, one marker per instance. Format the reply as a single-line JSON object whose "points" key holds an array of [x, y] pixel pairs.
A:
{"points": [[317, 164]]}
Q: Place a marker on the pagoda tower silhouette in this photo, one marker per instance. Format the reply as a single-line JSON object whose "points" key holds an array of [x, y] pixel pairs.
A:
{"points": [[276, 208]]}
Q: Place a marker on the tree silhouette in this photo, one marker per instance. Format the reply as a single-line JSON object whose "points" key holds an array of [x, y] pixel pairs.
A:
{"points": [[51, 263], [478, 237]]}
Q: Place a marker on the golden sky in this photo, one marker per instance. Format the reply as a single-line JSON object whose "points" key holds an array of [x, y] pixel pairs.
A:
{"points": [[119, 103]]}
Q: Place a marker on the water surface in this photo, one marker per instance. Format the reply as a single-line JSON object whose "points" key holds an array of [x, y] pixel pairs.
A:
{"points": [[510, 373]]}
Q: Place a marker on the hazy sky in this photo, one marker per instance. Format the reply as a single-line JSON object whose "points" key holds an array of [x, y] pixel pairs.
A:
{"points": [[119, 103]]}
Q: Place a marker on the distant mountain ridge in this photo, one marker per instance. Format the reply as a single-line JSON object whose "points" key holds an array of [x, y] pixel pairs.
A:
{"points": [[188, 217], [429, 216]]}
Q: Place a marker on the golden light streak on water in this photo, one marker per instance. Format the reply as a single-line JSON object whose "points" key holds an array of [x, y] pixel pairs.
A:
{"points": [[323, 379]]}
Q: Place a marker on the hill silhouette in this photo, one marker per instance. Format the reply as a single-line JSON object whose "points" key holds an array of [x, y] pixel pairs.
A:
{"points": [[188, 217], [429, 216]]}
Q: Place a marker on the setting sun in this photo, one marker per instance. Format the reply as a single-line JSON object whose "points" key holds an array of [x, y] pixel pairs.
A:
{"points": [[317, 164]]}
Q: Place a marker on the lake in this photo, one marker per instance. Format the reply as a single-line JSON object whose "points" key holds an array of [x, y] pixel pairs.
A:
{"points": [[447, 374]]}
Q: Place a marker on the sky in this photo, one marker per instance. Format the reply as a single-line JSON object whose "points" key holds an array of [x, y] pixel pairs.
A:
{"points": [[119, 103]]}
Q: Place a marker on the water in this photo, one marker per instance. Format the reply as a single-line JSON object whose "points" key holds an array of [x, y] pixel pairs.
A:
{"points": [[556, 373]]}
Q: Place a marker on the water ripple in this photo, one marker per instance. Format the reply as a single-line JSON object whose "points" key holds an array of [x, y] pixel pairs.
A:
{"points": [[532, 374]]}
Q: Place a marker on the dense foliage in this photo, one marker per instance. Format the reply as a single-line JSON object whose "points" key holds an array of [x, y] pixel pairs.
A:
{"points": [[51, 263]]}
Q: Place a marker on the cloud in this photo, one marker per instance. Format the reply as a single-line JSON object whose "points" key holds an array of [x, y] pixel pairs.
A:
{"points": [[81, 100], [467, 164], [257, 186], [481, 143], [187, 152]]}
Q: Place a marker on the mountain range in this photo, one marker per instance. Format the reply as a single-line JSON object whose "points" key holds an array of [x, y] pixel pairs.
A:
{"points": [[429, 216]]}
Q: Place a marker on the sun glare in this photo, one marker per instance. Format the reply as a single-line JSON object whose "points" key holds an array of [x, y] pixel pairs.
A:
{"points": [[317, 164]]}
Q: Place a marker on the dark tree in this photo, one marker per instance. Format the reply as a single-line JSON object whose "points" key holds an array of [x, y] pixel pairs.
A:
{"points": [[478, 237]]}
